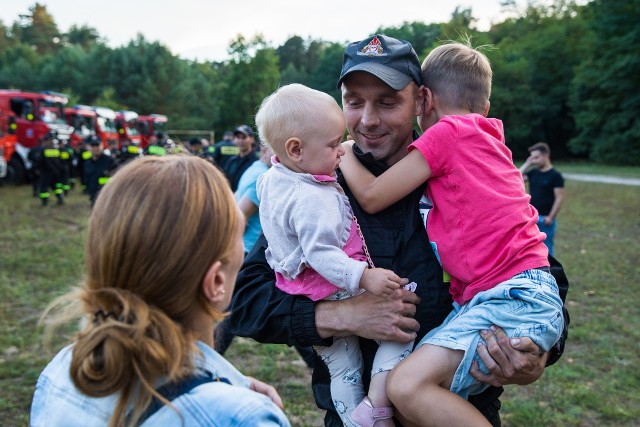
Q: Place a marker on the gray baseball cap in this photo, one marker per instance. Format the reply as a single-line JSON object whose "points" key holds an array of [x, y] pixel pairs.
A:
{"points": [[391, 60]]}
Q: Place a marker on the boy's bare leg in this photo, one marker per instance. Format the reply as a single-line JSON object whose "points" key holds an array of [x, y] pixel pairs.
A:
{"points": [[419, 389]]}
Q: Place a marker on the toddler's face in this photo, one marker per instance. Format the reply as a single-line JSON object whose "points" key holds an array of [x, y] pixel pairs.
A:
{"points": [[322, 149]]}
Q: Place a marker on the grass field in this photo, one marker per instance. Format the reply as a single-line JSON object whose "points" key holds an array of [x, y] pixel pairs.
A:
{"points": [[596, 383]]}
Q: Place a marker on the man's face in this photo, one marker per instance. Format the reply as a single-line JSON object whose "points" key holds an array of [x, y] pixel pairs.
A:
{"points": [[96, 149], [539, 159], [244, 143], [380, 119]]}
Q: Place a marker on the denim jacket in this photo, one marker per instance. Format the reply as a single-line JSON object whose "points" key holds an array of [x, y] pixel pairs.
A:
{"points": [[57, 402]]}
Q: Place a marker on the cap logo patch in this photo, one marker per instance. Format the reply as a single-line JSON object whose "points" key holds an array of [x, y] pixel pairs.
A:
{"points": [[374, 48]]}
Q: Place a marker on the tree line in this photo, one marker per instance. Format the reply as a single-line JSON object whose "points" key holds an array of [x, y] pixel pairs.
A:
{"points": [[565, 72]]}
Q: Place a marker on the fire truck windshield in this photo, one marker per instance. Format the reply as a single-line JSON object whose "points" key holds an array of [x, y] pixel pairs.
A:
{"points": [[51, 112], [107, 125], [83, 125], [132, 128]]}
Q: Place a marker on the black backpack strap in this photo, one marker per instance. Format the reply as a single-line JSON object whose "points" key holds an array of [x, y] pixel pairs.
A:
{"points": [[172, 391], [557, 271]]}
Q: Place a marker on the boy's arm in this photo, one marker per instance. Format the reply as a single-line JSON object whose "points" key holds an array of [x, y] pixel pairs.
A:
{"points": [[377, 193]]}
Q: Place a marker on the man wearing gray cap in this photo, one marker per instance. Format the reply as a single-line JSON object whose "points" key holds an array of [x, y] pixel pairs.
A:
{"points": [[381, 96]]}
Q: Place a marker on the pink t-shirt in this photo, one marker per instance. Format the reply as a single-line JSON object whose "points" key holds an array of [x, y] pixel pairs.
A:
{"points": [[482, 227]]}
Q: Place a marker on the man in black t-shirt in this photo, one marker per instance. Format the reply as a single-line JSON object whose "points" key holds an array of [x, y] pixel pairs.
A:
{"points": [[546, 186]]}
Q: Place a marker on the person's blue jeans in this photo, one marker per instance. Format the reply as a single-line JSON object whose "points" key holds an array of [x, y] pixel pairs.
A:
{"points": [[549, 230]]}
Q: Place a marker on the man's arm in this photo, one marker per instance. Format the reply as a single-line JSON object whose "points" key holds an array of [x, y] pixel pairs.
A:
{"points": [[558, 193], [510, 361], [525, 167], [247, 207], [261, 311], [519, 361]]}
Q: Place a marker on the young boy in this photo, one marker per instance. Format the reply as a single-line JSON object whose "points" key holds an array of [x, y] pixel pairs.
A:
{"points": [[482, 229], [315, 244]]}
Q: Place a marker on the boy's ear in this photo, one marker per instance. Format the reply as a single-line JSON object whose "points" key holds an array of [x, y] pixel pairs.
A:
{"points": [[429, 102], [293, 148], [420, 100], [486, 109]]}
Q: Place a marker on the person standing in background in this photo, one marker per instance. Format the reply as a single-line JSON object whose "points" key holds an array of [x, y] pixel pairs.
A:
{"points": [[97, 168], [223, 150], [243, 138], [546, 186]]}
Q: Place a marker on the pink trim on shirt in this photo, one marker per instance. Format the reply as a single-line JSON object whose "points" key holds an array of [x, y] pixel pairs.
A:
{"points": [[310, 283], [319, 178]]}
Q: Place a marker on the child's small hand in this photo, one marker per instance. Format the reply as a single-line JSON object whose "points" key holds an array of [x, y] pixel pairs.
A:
{"points": [[381, 282], [347, 145]]}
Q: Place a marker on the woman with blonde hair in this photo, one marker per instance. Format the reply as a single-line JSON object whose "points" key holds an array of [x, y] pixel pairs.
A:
{"points": [[163, 250]]}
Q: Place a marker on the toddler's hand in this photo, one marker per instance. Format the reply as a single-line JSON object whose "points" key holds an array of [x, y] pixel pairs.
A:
{"points": [[381, 282]]}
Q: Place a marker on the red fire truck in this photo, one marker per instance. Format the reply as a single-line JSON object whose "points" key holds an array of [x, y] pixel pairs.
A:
{"points": [[7, 148], [84, 121], [105, 125], [29, 116], [127, 124], [150, 125]]}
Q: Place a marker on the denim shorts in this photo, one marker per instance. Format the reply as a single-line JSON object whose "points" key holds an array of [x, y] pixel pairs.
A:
{"points": [[527, 305]]}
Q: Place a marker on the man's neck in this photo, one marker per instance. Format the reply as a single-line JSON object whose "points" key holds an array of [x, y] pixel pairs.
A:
{"points": [[546, 168]]}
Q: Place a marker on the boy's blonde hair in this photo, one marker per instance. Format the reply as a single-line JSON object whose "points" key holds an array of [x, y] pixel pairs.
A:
{"points": [[288, 112], [459, 75]]}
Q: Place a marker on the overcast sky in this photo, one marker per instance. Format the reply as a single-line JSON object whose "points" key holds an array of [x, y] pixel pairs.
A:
{"points": [[202, 29]]}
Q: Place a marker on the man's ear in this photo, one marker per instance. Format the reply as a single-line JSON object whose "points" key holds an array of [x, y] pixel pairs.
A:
{"points": [[213, 285], [486, 109], [293, 148]]}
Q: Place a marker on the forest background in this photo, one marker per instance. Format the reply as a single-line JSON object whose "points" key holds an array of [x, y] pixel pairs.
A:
{"points": [[564, 73]]}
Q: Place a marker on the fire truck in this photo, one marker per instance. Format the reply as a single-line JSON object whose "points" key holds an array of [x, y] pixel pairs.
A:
{"points": [[7, 147], [83, 120], [150, 125], [127, 124], [105, 125], [29, 116]]}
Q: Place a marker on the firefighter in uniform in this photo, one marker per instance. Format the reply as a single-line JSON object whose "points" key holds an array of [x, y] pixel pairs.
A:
{"points": [[67, 155], [127, 153], [51, 169], [157, 147], [97, 168]]}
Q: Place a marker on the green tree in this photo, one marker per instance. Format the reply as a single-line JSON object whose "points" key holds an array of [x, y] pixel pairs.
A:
{"points": [[533, 66], [39, 29], [63, 69], [605, 89], [84, 36], [19, 67], [422, 36], [6, 40], [251, 75], [326, 73]]}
